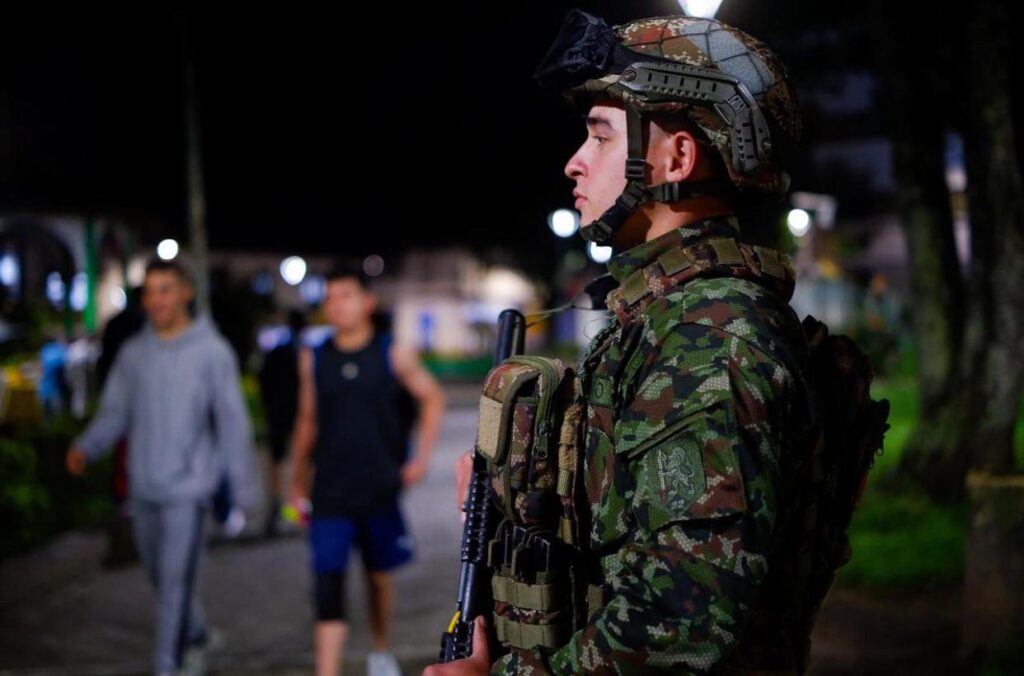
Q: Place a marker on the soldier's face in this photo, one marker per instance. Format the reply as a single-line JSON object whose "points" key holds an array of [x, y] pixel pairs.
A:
{"points": [[597, 166], [347, 305]]}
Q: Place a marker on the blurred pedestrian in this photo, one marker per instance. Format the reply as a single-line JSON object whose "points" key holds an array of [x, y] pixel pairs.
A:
{"points": [[349, 433], [53, 384], [279, 388], [121, 327], [174, 390]]}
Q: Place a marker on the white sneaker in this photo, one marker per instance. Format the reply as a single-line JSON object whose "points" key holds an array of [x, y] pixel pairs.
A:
{"points": [[234, 524], [196, 660], [382, 664]]}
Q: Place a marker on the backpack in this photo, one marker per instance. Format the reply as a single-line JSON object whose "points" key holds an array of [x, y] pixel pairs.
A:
{"points": [[851, 433]]}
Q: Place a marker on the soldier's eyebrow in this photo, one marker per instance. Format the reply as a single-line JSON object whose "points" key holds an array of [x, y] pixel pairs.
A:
{"points": [[600, 122]]}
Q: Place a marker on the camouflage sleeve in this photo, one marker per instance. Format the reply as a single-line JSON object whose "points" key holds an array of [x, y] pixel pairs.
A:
{"points": [[698, 495]]}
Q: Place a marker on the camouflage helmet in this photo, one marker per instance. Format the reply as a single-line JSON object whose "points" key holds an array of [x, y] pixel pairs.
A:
{"points": [[729, 84]]}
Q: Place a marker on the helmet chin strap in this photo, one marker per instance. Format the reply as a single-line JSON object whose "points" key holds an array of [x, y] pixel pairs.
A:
{"points": [[637, 192]]}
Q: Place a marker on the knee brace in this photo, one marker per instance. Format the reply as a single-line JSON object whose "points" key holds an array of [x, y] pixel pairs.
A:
{"points": [[330, 595]]}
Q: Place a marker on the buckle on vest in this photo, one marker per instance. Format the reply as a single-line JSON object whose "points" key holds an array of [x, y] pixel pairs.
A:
{"points": [[726, 251], [771, 262], [674, 261], [635, 287]]}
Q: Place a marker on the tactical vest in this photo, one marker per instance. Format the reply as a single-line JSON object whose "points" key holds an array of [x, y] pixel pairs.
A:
{"points": [[531, 430]]}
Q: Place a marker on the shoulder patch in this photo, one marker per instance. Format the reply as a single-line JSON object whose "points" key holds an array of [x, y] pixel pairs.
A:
{"points": [[675, 473], [601, 390]]}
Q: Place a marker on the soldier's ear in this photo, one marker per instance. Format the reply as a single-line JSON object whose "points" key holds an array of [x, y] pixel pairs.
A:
{"points": [[684, 155]]}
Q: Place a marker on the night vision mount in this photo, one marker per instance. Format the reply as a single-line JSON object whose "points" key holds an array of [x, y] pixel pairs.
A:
{"points": [[654, 82]]}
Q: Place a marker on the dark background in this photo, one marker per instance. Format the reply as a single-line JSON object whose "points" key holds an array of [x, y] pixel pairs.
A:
{"points": [[321, 129]]}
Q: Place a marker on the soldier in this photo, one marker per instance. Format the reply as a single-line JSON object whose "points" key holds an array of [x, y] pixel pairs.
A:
{"points": [[699, 423]]}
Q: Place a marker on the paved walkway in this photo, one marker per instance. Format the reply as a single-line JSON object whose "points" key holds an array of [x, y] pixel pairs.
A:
{"points": [[61, 613]]}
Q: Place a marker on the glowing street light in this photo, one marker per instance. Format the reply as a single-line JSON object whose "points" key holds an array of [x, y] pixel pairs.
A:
{"points": [[702, 9], [79, 291], [167, 249], [598, 253], [564, 222], [55, 288], [313, 289], [9, 270], [118, 298], [799, 222], [373, 265], [293, 270]]}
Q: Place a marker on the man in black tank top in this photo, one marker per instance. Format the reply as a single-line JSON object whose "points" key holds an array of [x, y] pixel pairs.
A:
{"points": [[350, 440]]}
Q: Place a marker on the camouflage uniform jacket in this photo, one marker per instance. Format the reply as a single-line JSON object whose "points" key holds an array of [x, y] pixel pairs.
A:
{"points": [[694, 475]]}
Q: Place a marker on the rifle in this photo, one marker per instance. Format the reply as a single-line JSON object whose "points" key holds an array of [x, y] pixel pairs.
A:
{"points": [[474, 597]]}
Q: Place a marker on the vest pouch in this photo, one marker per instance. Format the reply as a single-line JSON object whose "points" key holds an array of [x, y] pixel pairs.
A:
{"points": [[534, 586], [521, 408], [508, 385]]}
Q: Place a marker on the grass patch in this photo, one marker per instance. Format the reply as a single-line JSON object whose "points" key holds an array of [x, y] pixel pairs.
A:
{"points": [[902, 396], [904, 540]]}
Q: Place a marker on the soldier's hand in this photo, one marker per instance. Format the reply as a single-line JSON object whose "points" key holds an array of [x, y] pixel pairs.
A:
{"points": [[463, 473], [479, 662], [76, 461]]}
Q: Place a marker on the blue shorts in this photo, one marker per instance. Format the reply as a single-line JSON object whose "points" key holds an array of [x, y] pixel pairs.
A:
{"points": [[382, 540]]}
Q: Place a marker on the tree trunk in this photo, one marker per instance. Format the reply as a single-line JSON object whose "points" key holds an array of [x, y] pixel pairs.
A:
{"points": [[994, 565], [994, 348], [935, 456]]}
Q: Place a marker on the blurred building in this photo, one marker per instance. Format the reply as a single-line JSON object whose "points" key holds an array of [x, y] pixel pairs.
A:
{"points": [[443, 301], [69, 267]]}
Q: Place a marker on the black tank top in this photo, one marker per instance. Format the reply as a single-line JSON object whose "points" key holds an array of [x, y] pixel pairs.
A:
{"points": [[359, 451]]}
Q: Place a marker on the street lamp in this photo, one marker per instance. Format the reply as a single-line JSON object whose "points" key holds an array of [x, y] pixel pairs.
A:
{"points": [[9, 272], [167, 249], [293, 270], [79, 291], [373, 265], [55, 288], [313, 289], [598, 253], [799, 222], [702, 9], [118, 298], [564, 222]]}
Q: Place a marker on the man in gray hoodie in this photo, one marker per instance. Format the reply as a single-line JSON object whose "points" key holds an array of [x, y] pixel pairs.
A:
{"points": [[174, 390]]}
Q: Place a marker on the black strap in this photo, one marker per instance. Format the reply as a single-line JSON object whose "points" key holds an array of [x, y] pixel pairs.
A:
{"points": [[636, 146], [635, 194], [673, 192], [601, 230], [637, 191]]}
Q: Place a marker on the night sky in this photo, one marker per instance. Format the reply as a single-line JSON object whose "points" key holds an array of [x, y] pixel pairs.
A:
{"points": [[322, 132]]}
